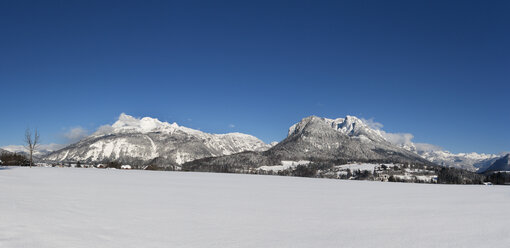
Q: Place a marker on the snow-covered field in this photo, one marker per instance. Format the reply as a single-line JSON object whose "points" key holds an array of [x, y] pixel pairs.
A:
{"points": [[67, 207]]}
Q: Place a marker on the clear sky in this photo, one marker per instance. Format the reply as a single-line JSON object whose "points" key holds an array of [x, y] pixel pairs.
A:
{"points": [[437, 69]]}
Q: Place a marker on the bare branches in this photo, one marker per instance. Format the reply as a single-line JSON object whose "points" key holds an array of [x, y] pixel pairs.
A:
{"points": [[31, 142], [36, 140], [28, 139]]}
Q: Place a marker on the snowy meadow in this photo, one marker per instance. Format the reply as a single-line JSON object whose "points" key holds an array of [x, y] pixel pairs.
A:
{"points": [[76, 207]]}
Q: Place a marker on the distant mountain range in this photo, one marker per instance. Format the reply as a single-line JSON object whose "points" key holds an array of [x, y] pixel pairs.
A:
{"points": [[39, 152], [150, 141], [468, 161]]}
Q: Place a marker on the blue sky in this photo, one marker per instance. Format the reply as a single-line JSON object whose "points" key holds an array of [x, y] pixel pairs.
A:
{"points": [[437, 69]]}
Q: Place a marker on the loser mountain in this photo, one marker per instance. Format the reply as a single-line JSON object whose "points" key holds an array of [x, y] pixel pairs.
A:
{"points": [[318, 139], [149, 141]]}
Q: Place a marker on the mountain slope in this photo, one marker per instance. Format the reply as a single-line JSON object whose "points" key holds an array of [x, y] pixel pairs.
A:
{"points": [[146, 140], [343, 138], [501, 164], [318, 139]]}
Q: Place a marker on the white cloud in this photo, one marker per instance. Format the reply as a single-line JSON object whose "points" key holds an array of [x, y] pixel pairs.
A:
{"points": [[372, 124], [394, 138], [41, 149], [424, 147], [75, 134], [231, 125], [72, 135], [104, 129], [401, 139], [14, 148], [51, 147]]}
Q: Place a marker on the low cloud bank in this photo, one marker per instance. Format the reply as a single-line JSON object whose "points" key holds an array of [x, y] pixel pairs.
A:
{"points": [[401, 139]]}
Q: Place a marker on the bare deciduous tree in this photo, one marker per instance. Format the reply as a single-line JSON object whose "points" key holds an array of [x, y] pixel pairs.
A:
{"points": [[31, 143]]}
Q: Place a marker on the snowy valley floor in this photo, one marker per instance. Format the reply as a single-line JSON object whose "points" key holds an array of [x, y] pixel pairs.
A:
{"points": [[66, 207]]}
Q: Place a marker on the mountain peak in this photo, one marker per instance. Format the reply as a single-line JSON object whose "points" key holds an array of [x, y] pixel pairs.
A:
{"points": [[311, 122], [349, 125], [501, 164], [141, 140], [127, 123]]}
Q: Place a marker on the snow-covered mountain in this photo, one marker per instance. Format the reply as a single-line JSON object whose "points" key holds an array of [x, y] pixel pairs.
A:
{"points": [[350, 126], [133, 140], [500, 164], [346, 138], [148, 140], [40, 151], [468, 161], [314, 138], [15, 149], [355, 127]]}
